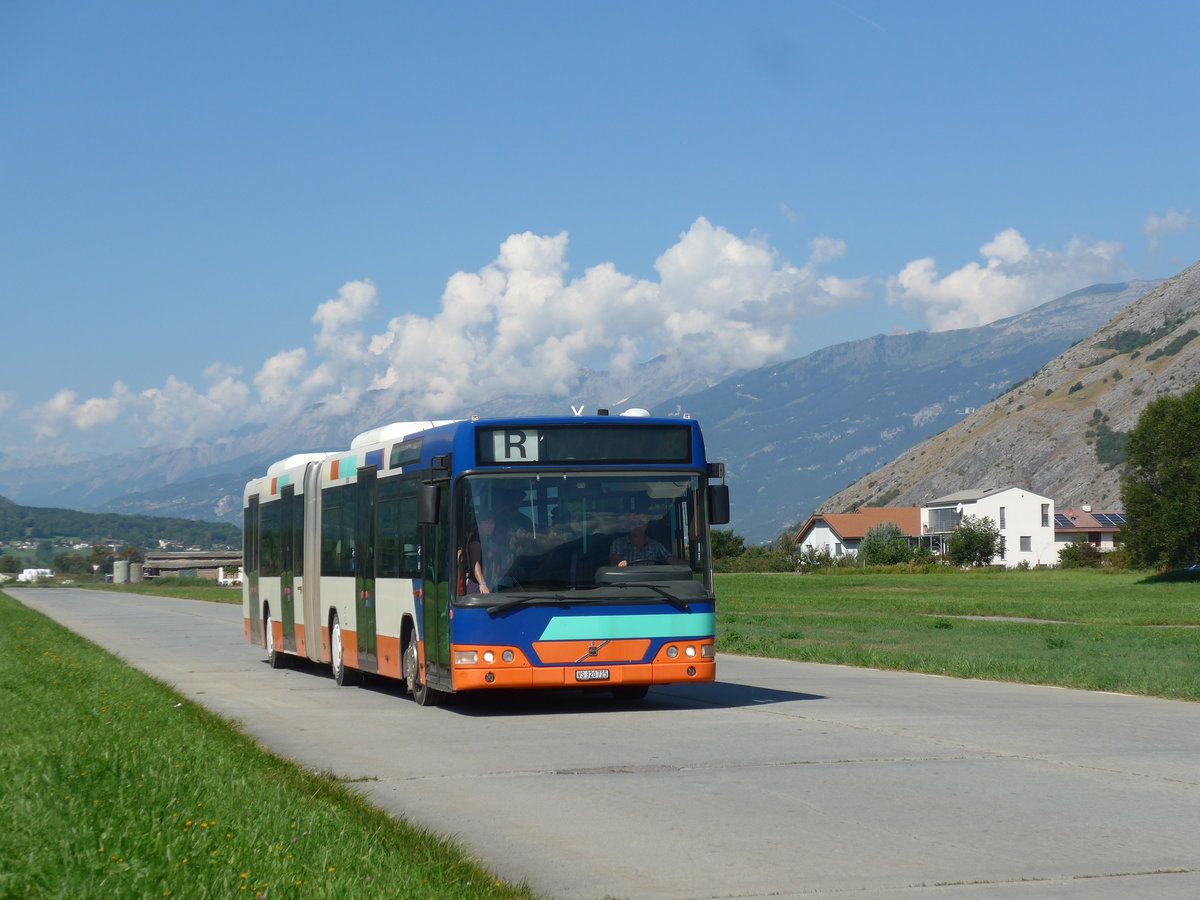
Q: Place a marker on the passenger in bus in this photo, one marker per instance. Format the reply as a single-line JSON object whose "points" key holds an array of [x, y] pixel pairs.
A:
{"points": [[639, 549], [475, 580]]}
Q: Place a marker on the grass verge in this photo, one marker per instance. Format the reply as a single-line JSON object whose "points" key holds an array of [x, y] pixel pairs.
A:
{"points": [[115, 786], [185, 588], [1126, 632]]}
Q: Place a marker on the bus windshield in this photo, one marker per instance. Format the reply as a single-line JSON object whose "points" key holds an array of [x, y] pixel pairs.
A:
{"points": [[543, 532]]}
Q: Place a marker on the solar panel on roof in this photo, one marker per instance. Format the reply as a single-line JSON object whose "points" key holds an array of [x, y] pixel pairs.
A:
{"points": [[1062, 521], [1112, 520]]}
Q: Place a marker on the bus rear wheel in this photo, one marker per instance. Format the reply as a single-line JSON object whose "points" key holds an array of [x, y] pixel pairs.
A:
{"points": [[276, 658], [422, 693], [342, 675]]}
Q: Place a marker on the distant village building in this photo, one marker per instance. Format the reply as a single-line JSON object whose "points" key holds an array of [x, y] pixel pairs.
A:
{"points": [[1030, 530], [839, 534], [198, 564]]}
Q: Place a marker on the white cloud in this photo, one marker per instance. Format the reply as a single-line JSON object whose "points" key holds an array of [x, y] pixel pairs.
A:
{"points": [[1013, 278], [519, 325], [1156, 227], [275, 378]]}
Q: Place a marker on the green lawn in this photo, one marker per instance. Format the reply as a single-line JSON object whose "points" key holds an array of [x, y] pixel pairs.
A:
{"points": [[186, 588], [1124, 632], [115, 786]]}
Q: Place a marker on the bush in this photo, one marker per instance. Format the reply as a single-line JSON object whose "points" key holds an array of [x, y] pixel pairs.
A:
{"points": [[1117, 558], [1079, 555]]}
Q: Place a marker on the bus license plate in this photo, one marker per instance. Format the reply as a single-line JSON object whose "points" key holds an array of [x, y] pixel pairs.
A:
{"points": [[591, 674]]}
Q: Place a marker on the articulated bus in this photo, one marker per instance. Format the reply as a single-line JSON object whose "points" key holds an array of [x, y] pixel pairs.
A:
{"points": [[504, 553]]}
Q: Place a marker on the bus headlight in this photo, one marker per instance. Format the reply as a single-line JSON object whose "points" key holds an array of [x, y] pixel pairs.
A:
{"points": [[689, 652], [466, 657], [507, 656], [708, 651], [489, 656], [672, 652]]}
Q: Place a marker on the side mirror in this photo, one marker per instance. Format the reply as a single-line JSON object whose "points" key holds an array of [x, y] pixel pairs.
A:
{"points": [[429, 497], [718, 504]]}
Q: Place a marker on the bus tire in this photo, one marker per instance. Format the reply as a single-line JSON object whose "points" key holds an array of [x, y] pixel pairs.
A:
{"points": [[422, 693], [276, 658], [343, 675]]}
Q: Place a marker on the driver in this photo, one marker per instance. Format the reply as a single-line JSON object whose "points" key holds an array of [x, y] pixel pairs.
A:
{"points": [[638, 548]]}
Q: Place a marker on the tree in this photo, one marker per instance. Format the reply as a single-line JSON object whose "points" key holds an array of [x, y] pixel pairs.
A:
{"points": [[71, 564], [1161, 486], [975, 542], [885, 545], [10, 565], [725, 543], [101, 559]]}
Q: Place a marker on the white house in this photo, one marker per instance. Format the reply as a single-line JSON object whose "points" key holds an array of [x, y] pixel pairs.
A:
{"points": [[839, 534], [1025, 520]]}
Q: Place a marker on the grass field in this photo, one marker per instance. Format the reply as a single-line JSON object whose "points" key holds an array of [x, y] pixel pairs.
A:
{"points": [[186, 588], [1128, 632], [115, 786]]}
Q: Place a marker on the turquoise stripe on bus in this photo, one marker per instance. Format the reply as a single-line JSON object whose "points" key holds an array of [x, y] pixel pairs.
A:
{"points": [[667, 625]]}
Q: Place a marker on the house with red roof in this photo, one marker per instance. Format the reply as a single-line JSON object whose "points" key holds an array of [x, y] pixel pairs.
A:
{"points": [[1100, 528], [841, 533]]}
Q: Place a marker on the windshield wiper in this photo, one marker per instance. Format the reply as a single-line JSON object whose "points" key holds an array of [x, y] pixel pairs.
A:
{"points": [[521, 601], [678, 602]]}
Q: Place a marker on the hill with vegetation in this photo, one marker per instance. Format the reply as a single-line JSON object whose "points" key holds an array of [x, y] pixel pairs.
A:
{"points": [[793, 433], [1061, 431], [19, 524]]}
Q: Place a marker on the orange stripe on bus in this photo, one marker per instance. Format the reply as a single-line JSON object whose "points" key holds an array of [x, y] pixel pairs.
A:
{"points": [[388, 651]]}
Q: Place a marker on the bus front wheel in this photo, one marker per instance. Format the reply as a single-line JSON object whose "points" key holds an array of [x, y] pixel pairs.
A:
{"points": [[422, 693]]}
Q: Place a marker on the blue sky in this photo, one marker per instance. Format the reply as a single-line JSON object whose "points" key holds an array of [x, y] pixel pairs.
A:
{"points": [[217, 214]]}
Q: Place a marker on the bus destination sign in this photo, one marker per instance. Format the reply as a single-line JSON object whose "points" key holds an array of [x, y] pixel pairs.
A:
{"points": [[590, 443]]}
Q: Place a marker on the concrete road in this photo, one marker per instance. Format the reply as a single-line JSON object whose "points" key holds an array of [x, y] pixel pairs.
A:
{"points": [[782, 780]]}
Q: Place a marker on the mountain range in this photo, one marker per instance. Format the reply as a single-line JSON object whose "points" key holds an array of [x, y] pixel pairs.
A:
{"points": [[1059, 432], [792, 434]]}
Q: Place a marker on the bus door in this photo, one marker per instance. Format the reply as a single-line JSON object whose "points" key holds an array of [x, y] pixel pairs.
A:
{"points": [[287, 565], [250, 558], [364, 570], [435, 615]]}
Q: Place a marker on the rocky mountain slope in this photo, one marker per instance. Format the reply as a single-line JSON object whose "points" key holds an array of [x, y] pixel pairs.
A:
{"points": [[1058, 432], [794, 433]]}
